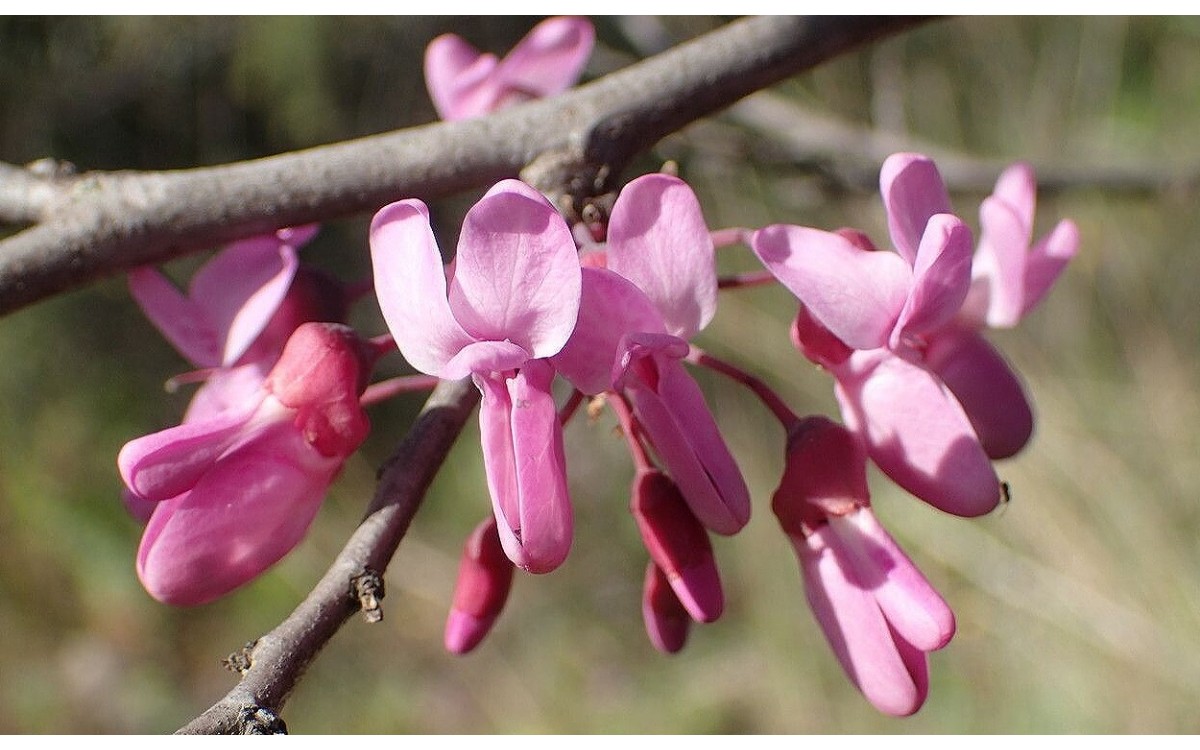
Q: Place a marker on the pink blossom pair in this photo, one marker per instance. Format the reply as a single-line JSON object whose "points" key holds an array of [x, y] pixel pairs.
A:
{"points": [[899, 331]]}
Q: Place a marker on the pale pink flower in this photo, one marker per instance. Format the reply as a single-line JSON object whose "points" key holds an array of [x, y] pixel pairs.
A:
{"points": [[657, 290], [878, 613], [238, 489], [465, 83], [511, 302]]}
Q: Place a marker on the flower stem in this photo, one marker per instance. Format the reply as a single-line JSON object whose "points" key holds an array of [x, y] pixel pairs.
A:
{"points": [[769, 397], [385, 389], [741, 280]]}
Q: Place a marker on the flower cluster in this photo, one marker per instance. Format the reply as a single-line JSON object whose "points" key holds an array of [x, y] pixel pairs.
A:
{"points": [[609, 311]]}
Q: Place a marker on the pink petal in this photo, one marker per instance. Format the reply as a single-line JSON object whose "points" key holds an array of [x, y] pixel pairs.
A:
{"points": [[911, 605], [941, 278], [1046, 261], [913, 192], [168, 463], [240, 289], [451, 66], [856, 294], [989, 391], [855, 627], [226, 388], [526, 469], [550, 58], [667, 622], [610, 307], [183, 322], [1000, 261], [516, 274], [245, 514], [484, 357], [1017, 188], [411, 286], [917, 433], [484, 579], [657, 239], [686, 438]]}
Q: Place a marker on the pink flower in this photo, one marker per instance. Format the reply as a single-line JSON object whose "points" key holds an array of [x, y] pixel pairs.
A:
{"points": [[658, 289], [485, 577], [238, 489], [511, 302], [869, 316], [465, 83], [877, 611]]}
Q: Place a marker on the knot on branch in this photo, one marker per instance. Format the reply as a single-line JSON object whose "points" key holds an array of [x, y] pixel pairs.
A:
{"points": [[258, 720], [239, 661], [367, 588]]}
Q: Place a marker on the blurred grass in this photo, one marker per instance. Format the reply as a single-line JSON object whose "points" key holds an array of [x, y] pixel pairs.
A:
{"points": [[1078, 603]]}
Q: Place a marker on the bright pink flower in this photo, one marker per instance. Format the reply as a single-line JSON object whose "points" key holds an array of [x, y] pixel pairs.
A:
{"points": [[237, 490], [877, 611], [485, 577], [658, 289], [464, 82], [511, 302]]}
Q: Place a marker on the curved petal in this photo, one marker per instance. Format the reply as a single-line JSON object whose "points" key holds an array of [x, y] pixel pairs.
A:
{"points": [[856, 294], [550, 58], [484, 357], [989, 391], [1017, 188], [941, 278], [244, 515], [1047, 259], [1000, 261], [917, 433], [169, 462], [657, 239], [516, 274], [610, 307], [855, 627], [451, 65], [526, 468], [180, 320], [667, 622], [411, 286], [240, 289], [913, 192], [914, 608]]}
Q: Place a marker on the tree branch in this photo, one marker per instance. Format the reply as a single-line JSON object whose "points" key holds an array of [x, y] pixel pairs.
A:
{"points": [[100, 224]]}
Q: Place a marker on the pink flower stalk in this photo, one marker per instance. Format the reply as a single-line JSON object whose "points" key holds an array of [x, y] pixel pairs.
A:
{"points": [[465, 83], [485, 577], [656, 290], [879, 614], [236, 491], [511, 302]]}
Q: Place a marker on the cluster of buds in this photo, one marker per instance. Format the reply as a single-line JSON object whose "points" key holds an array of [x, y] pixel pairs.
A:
{"points": [[611, 309]]}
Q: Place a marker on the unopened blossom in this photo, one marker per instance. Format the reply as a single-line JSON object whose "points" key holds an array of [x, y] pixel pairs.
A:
{"points": [[656, 290], [485, 577], [511, 302], [868, 316], [878, 613], [237, 490], [464, 82], [667, 621]]}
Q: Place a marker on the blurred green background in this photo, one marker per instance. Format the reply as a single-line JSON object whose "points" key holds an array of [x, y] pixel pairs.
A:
{"points": [[1078, 604]]}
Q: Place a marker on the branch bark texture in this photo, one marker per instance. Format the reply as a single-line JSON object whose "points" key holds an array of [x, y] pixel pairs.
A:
{"points": [[99, 224]]}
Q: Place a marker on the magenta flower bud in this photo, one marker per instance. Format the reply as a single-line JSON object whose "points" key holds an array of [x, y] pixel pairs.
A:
{"points": [[825, 475], [678, 544], [485, 577], [667, 622]]}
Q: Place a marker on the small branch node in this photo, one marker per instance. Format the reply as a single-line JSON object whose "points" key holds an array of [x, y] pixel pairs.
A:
{"points": [[367, 587], [239, 661], [260, 720]]}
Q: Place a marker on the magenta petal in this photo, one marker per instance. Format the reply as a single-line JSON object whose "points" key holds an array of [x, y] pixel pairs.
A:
{"points": [[910, 604], [516, 273], [610, 307], [657, 238], [184, 323], [941, 278], [226, 388], [241, 287], [686, 438], [526, 468], [550, 58], [410, 283], [856, 294], [855, 627], [917, 433], [168, 463], [667, 622], [241, 518], [913, 192], [989, 391]]}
